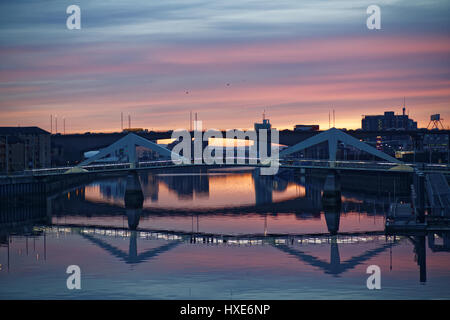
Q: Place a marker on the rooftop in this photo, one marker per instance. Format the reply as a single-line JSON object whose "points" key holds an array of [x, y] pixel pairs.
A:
{"points": [[22, 130]]}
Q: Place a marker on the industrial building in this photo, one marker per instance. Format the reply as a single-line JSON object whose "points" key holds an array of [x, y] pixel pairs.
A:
{"points": [[305, 127], [388, 121], [267, 138], [24, 148]]}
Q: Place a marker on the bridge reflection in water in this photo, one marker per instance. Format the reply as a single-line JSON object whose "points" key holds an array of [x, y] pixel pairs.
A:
{"points": [[128, 196], [296, 246], [137, 196]]}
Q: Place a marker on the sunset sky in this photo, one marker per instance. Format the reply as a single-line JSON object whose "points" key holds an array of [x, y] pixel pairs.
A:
{"points": [[228, 60]]}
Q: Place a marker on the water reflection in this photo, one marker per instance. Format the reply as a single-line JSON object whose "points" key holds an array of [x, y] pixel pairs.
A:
{"points": [[132, 256], [332, 217], [134, 200], [250, 198], [296, 246], [183, 219], [201, 189], [334, 266], [213, 194]]}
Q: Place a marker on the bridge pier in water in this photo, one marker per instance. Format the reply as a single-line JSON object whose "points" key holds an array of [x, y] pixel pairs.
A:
{"points": [[421, 257], [134, 200], [331, 196], [331, 202], [263, 187], [332, 218], [419, 189], [132, 249], [335, 258]]}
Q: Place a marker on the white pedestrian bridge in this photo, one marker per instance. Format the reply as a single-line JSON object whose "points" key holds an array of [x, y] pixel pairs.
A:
{"points": [[286, 158]]}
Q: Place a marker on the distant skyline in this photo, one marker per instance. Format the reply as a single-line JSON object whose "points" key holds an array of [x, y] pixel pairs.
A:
{"points": [[227, 60]]}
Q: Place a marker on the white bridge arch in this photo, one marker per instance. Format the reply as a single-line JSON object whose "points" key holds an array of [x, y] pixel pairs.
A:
{"points": [[333, 136], [129, 143]]}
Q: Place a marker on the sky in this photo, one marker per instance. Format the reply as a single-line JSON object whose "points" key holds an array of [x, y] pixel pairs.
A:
{"points": [[227, 60]]}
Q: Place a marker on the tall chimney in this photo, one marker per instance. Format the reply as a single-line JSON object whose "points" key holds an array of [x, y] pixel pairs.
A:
{"points": [[195, 123]]}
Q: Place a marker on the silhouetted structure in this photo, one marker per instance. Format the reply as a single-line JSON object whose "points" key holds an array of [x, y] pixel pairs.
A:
{"points": [[388, 121], [134, 200], [24, 148]]}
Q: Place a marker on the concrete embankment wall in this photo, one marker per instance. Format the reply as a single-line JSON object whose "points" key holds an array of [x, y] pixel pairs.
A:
{"points": [[376, 183], [21, 190], [22, 216]]}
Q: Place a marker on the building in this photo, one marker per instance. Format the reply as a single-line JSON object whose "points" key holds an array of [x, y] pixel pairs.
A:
{"points": [[388, 121], [134, 130], [15, 150], [265, 125], [24, 148], [436, 142], [303, 127]]}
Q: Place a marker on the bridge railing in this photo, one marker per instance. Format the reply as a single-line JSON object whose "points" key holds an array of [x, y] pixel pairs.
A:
{"points": [[299, 163], [100, 167], [433, 167], [311, 163], [337, 164], [250, 239]]}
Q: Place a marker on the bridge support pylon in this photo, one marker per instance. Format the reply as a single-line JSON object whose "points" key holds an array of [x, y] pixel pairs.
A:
{"points": [[331, 196], [134, 200], [331, 202], [332, 218]]}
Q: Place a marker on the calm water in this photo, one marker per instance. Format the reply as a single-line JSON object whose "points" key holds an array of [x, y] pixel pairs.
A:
{"points": [[215, 235]]}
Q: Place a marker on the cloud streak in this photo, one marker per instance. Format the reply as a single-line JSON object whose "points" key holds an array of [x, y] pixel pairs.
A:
{"points": [[228, 60]]}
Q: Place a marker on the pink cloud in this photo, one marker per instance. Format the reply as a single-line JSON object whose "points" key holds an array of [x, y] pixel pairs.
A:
{"points": [[355, 74]]}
